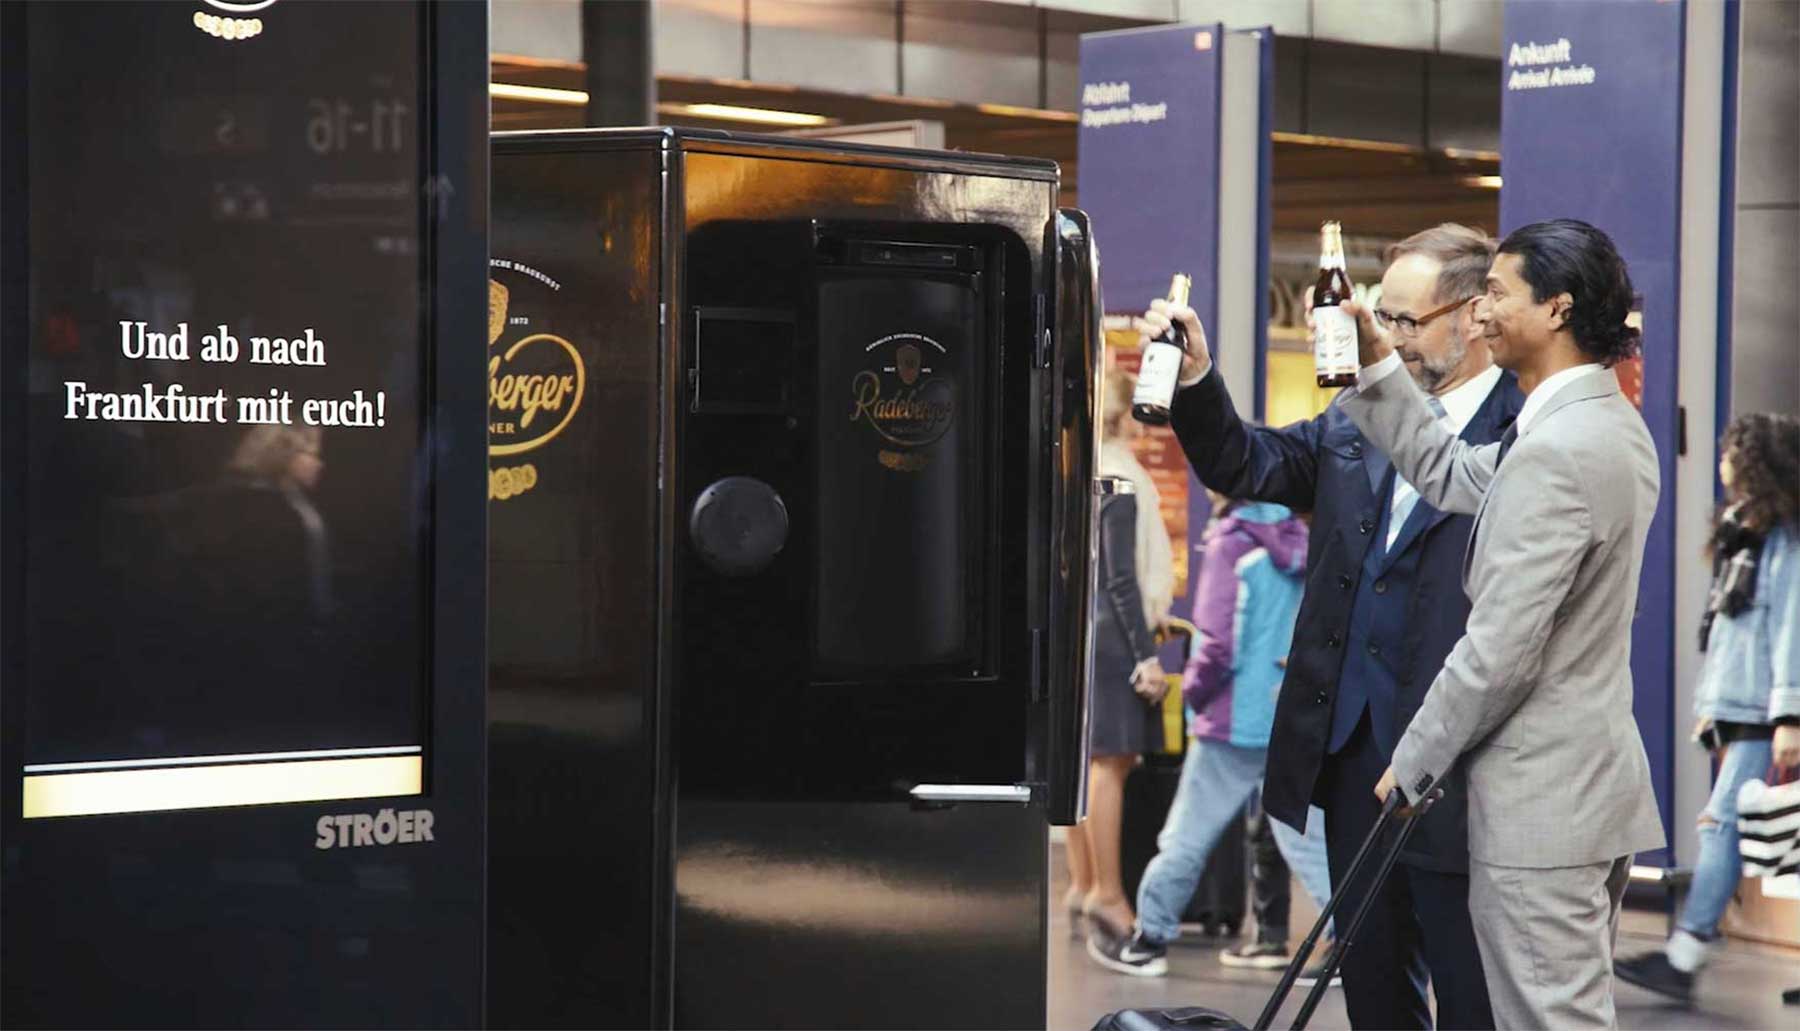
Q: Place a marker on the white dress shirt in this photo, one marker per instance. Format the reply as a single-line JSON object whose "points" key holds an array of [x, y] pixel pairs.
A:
{"points": [[1537, 399], [1460, 406]]}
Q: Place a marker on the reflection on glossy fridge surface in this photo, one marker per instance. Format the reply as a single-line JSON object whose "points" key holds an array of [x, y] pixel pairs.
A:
{"points": [[789, 624]]}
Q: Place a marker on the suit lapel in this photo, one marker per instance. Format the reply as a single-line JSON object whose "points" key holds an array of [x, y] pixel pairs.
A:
{"points": [[1475, 535], [1603, 383], [1375, 464], [1418, 522], [1490, 421]]}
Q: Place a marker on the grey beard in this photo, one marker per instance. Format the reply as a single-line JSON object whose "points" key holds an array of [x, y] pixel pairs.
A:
{"points": [[1431, 373]]}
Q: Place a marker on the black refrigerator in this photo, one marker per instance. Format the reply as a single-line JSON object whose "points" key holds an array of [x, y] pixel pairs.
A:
{"points": [[791, 501]]}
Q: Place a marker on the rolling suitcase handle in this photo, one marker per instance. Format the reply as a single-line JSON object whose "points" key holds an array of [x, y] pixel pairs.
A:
{"points": [[1388, 811]]}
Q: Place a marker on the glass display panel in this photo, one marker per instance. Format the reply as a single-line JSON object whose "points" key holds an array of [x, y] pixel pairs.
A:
{"points": [[227, 490], [744, 360], [899, 577]]}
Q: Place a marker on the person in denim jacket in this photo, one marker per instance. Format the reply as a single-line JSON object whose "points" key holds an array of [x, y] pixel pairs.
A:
{"points": [[1748, 698]]}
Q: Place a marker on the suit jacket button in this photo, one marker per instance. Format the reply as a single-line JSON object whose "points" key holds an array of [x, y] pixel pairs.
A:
{"points": [[1365, 527], [1356, 449], [1343, 583], [1374, 649], [1381, 587], [1333, 641], [1321, 698]]}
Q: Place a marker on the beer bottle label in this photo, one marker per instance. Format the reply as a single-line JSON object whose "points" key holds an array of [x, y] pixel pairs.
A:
{"points": [[1157, 375], [1334, 341]]}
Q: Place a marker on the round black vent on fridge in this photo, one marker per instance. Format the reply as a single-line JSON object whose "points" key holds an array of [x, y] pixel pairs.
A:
{"points": [[739, 524]]}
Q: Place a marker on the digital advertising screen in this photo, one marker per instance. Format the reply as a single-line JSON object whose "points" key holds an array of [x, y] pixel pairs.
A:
{"points": [[226, 479]]}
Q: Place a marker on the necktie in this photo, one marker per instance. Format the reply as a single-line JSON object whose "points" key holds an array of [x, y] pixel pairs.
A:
{"points": [[1506, 443], [1405, 497]]}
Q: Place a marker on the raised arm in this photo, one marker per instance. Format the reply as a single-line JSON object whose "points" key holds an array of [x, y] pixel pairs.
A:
{"points": [[1390, 409], [1240, 461]]}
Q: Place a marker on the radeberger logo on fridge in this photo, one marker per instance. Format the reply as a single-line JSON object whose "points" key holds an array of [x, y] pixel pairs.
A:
{"points": [[232, 25], [536, 379], [902, 400]]}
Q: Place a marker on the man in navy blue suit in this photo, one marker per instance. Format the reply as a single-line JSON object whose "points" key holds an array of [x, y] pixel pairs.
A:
{"points": [[1384, 604]]}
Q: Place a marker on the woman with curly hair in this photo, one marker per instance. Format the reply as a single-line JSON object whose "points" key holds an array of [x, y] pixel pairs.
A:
{"points": [[1748, 699]]}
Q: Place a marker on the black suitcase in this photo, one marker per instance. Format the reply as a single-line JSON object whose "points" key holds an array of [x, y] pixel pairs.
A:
{"points": [[1220, 900], [1192, 1018]]}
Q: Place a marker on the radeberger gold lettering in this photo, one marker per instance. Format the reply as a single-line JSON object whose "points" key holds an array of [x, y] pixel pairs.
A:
{"points": [[913, 417], [529, 393]]}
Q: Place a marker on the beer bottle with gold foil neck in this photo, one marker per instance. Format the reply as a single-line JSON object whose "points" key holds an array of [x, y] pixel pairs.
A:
{"points": [[1160, 369], [1334, 330]]}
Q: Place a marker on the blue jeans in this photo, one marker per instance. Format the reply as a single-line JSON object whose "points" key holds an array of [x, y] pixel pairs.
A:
{"points": [[1717, 871], [1305, 855], [1217, 778]]}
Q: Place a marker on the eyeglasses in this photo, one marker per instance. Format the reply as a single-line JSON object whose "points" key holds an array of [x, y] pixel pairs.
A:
{"points": [[1407, 326]]}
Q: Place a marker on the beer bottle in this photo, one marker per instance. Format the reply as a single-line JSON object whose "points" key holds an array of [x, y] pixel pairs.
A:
{"points": [[1160, 369], [1334, 330]]}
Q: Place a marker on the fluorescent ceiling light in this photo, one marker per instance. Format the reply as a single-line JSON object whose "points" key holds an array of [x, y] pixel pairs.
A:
{"points": [[1014, 111], [734, 113], [1314, 140], [541, 94], [525, 61], [1486, 182], [891, 98], [1465, 154]]}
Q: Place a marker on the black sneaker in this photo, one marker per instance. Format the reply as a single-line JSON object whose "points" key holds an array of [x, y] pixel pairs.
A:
{"points": [[1257, 956], [1653, 970], [1135, 955]]}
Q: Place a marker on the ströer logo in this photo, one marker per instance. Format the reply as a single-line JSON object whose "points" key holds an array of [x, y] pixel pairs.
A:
{"points": [[387, 827]]}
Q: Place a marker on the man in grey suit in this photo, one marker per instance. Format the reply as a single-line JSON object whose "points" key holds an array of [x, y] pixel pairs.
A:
{"points": [[1536, 697]]}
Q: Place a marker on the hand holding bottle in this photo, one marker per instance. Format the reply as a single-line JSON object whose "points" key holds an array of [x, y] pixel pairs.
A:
{"points": [[1372, 342], [1157, 320]]}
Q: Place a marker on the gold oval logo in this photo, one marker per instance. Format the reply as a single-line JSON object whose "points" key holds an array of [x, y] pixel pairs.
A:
{"points": [[913, 416], [531, 399]]}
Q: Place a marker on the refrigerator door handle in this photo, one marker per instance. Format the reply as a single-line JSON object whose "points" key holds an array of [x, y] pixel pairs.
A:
{"points": [[1073, 382], [1016, 793], [1107, 486]]}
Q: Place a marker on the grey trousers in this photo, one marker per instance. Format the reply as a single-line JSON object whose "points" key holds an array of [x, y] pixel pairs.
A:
{"points": [[1546, 939]]}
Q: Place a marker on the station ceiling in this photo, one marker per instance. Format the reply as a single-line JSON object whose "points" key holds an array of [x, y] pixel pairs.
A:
{"points": [[1377, 189]]}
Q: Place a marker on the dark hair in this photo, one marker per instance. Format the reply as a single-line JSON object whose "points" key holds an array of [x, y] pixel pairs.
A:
{"points": [[1464, 255], [1566, 255], [1765, 469]]}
